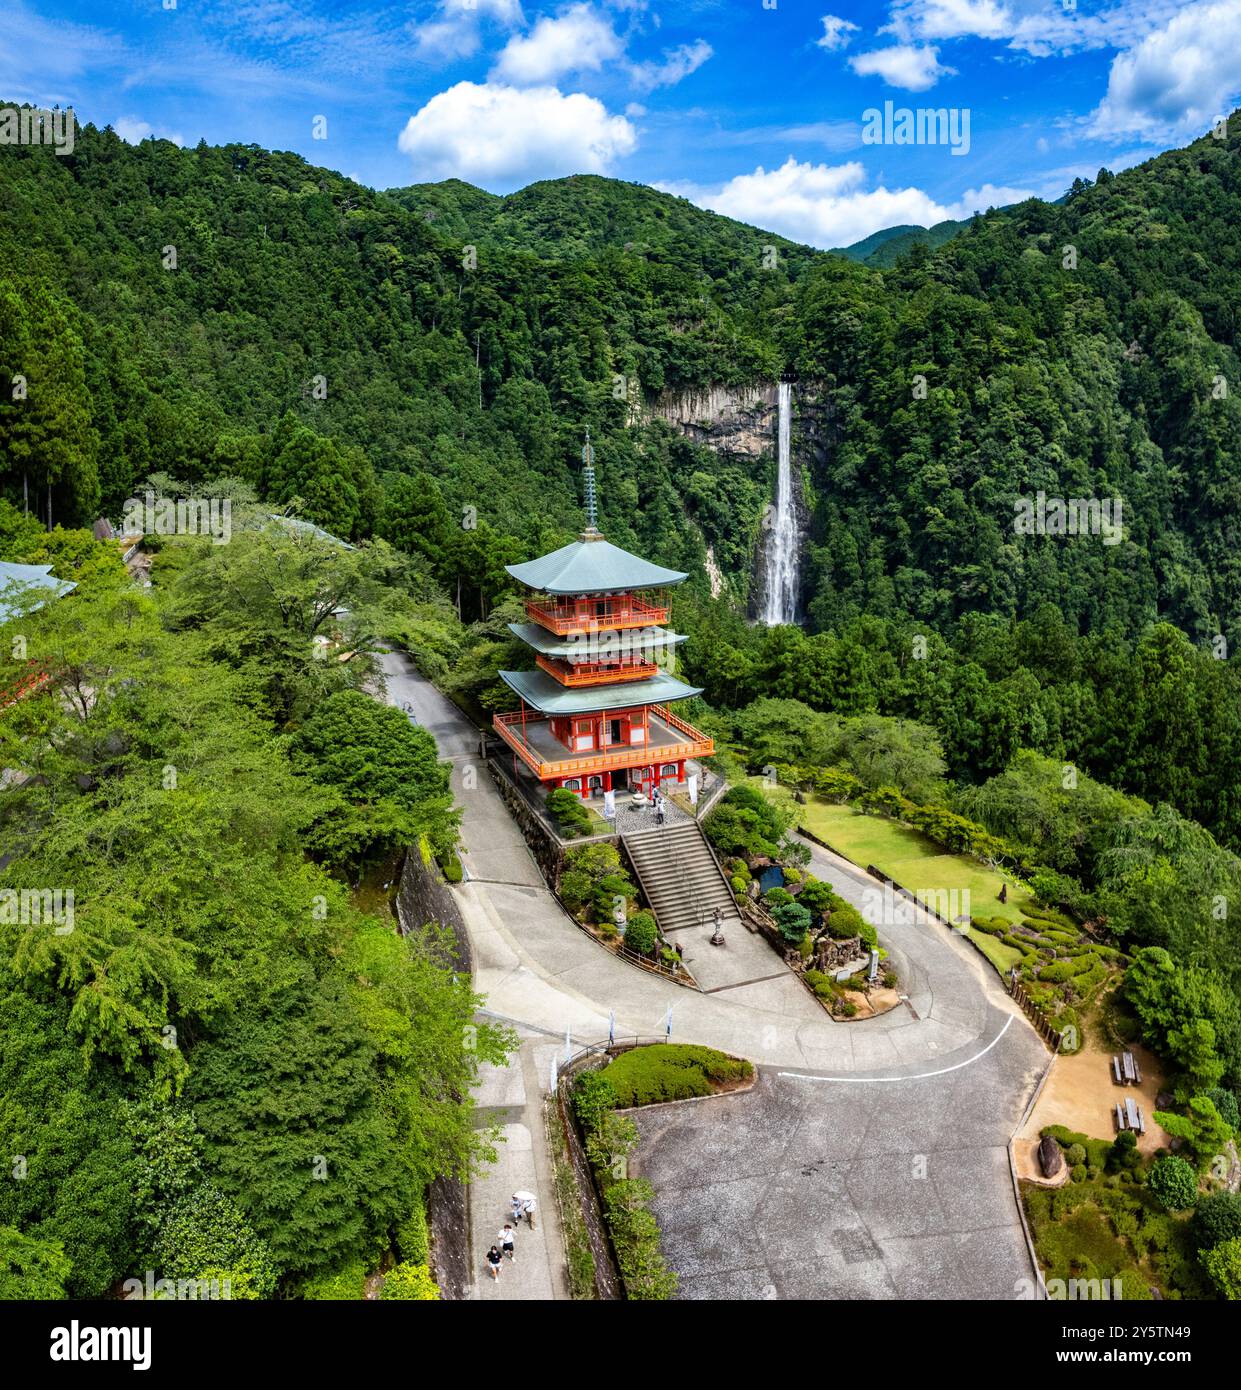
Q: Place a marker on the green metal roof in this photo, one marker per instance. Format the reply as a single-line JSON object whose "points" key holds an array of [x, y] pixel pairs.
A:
{"points": [[17, 580], [592, 567], [629, 640], [548, 696]]}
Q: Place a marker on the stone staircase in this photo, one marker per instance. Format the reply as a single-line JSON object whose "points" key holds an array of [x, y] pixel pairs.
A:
{"points": [[679, 876]]}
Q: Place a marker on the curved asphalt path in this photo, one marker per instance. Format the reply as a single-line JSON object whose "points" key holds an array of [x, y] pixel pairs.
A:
{"points": [[901, 1122]]}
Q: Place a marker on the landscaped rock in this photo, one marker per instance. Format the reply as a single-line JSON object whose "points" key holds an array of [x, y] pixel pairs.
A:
{"points": [[1050, 1157]]}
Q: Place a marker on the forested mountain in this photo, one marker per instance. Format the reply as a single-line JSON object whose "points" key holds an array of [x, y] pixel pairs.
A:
{"points": [[585, 215], [323, 340], [886, 247]]}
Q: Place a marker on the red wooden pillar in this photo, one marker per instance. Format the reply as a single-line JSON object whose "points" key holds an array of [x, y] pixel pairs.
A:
{"points": [[607, 779], [681, 770]]}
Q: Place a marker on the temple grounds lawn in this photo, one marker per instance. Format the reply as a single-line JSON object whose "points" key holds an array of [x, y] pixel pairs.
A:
{"points": [[919, 865]]}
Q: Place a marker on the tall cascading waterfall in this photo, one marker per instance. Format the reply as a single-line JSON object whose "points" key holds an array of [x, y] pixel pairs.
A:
{"points": [[783, 542]]}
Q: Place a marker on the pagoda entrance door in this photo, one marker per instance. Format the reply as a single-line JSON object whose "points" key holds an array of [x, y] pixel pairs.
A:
{"points": [[614, 730]]}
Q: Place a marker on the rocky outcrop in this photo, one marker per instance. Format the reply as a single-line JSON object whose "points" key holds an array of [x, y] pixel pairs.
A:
{"points": [[733, 420]]}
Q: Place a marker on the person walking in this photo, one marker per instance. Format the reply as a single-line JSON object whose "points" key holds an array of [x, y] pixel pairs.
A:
{"points": [[524, 1204], [493, 1261], [506, 1239]]}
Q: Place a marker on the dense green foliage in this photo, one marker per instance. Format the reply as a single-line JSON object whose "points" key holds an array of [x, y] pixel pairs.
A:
{"points": [[218, 1068]]}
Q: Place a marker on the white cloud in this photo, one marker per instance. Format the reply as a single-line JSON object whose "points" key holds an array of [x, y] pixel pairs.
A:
{"points": [[831, 205], [953, 19], [505, 136], [579, 40], [455, 32], [837, 33], [1177, 79], [133, 130], [676, 63], [1037, 27], [902, 65]]}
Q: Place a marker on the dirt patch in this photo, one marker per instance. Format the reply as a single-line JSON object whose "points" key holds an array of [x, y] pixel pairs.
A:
{"points": [[1081, 1095], [1025, 1158]]}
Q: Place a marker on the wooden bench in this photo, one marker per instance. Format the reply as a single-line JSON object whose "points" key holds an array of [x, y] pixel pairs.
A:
{"points": [[1131, 1070], [1117, 1078], [1120, 1116], [1133, 1115]]}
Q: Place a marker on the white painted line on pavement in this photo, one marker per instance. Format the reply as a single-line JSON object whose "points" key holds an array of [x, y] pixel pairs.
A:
{"points": [[922, 1076]]}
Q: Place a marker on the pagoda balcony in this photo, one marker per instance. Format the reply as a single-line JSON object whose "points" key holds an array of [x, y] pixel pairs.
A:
{"points": [[622, 611], [670, 739], [587, 673]]}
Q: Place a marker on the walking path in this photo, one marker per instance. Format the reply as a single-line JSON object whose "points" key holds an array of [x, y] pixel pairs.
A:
{"points": [[539, 971]]}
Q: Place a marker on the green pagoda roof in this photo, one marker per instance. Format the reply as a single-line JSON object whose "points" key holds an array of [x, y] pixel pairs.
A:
{"points": [[547, 644], [592, 566], [548, 696]]}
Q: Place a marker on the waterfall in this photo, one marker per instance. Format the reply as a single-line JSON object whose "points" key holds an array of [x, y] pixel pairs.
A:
{"points": [[782, 545]]}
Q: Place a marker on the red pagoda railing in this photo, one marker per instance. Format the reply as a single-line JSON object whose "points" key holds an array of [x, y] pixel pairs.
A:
{"points": [[27, 685], [595, 673], [697, 745], [593, 614]]}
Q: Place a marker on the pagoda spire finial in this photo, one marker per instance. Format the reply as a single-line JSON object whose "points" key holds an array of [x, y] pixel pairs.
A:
{"points": [[590, 493]]}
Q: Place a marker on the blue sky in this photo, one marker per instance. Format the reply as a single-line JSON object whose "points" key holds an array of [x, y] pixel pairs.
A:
{"points": [[753, 107]]}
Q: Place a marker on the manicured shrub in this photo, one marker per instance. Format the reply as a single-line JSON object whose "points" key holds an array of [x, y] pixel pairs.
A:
{"points": [[576, 887], [1226, 1103], [568, 812], [1123, 1153], [777, 897], [820, 983], [635, 1238], [409, 1281], [1173, 1183], [1216, 1218], [670, 1071], [612, 892], [1223, 1264], [338, 1285], [1078, 1172], [1076, 1154], [593, 1096], [816, 895], [641, 932], [413, 1241], [793, 920]]}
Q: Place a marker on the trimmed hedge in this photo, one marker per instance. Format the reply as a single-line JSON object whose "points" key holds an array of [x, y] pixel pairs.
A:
{"points": [[670, 1071]]}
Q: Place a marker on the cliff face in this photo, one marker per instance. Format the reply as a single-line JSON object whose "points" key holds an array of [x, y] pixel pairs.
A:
{"points": [[742, 422], [739, 421]]}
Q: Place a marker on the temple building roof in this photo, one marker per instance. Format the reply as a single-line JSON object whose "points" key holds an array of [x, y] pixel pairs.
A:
{"points": [[592, 565], [548, 696], [17, 582], [634, 639]]}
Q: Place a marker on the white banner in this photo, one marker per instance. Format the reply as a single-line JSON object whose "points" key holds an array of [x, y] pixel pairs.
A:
{"points": [[692, 784], [609, 805]]}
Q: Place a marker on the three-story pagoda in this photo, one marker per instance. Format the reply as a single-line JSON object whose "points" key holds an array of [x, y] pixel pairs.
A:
{"points": [[594, 714]]}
